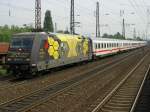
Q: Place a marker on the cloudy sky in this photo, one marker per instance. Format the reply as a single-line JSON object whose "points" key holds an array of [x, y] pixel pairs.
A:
{"points": [[135, 14]]}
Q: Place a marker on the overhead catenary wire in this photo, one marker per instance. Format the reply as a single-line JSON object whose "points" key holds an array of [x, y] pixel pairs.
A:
{"points": [[138, 14], [86, 12]]}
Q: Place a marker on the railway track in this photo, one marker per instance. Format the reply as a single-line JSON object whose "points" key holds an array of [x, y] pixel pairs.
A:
{"points": [[121, 98], [26, 101], [141, 103], [9, 82], [18, 89], [73, 98]]}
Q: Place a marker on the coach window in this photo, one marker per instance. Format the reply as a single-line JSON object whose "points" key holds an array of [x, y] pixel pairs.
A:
{"points": [[95, 46], [99, 46], [107, 45]]}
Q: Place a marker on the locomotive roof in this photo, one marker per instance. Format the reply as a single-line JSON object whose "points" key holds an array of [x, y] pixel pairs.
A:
{"points": [[69, 35], [30, 33], [50, 33]]}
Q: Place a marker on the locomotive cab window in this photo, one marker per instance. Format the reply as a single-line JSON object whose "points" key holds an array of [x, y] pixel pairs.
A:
{"points": [[24, 42]]}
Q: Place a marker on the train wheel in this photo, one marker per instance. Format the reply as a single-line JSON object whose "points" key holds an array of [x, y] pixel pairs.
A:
{"points": [[18, 75]]}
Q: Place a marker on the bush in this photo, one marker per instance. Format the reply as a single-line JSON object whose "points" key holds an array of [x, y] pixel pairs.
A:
{"points": [[2, 71], [6, 32]]}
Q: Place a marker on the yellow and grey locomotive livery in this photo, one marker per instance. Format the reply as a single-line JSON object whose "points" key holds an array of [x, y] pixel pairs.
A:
{"points": [[41, 51]]}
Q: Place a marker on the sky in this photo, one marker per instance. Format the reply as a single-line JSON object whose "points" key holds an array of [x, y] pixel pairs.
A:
{"points": [[136, 15]]}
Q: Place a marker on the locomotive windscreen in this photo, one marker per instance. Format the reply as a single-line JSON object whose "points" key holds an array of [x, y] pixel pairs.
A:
{"points": [[24, 42]]}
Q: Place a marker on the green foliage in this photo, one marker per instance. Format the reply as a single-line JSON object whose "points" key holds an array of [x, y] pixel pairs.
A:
{"points": [[2, 71], [6, 32], [116, 36], [48, 23], [138, 38], [60, 31], [107, 36]]}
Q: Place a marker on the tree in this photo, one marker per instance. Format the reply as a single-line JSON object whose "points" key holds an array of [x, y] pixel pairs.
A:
{"points": [[48, 23], [118, 36], [115, 36], [60, 31], [66, 32], [105, 35], [6, 32]]}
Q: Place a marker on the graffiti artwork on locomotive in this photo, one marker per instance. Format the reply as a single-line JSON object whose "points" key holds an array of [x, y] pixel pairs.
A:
{"points": [[35, 52]]}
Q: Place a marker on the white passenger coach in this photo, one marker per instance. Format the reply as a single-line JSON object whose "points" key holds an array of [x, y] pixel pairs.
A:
{"points": [[103, 46]]}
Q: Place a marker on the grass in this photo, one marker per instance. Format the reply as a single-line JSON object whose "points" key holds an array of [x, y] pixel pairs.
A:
{"points": [[3, 71]]}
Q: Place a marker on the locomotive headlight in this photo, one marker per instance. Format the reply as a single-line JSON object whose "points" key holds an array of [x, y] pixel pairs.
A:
{"points": [[9, 59], [28, 59], [33, 65]]}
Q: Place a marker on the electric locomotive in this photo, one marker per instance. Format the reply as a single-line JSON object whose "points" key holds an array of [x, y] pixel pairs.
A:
{"points": [[30, 53]]}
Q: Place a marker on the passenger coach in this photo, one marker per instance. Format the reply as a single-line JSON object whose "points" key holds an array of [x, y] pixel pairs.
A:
{"points": [[104, 46]]}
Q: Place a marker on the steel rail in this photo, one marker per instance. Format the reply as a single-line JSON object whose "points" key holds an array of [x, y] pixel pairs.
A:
{"points": [[118, 86], [140, 90], [44, 93]]}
